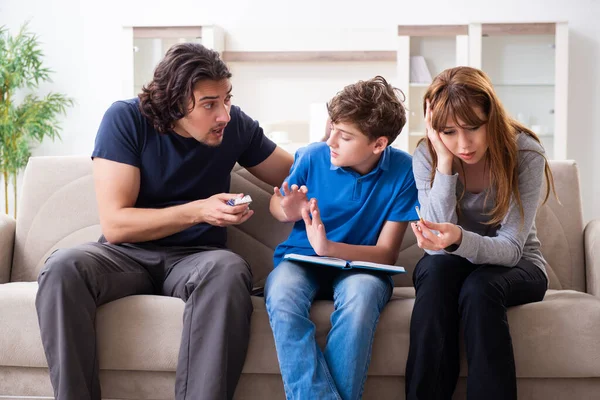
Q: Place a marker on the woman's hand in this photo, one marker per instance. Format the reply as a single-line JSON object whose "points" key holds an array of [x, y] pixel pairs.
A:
{"points": [[444, 156], [448, 234], [315, 230]]}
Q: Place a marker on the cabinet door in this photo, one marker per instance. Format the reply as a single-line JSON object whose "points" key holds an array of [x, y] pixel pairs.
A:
{"points": [[527, 66], [423, 52], [151, 43]]}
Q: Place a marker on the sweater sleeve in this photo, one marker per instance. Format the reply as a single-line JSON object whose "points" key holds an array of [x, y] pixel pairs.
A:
{"points": [[506, 248], [437, 201]]}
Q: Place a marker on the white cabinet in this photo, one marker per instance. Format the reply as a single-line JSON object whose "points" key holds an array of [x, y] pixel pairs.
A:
{"points": [[527, 64], [151, 43], [423, 51]]}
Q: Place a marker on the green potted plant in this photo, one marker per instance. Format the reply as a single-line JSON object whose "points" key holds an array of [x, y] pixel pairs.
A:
{"points": [[25, 118]]}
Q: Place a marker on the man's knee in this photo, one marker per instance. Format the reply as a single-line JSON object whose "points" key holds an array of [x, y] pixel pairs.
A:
{"points": [[63, 266], [227, 270]]}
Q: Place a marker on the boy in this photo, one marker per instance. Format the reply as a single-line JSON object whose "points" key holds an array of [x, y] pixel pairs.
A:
{"points": [[366, 194]]}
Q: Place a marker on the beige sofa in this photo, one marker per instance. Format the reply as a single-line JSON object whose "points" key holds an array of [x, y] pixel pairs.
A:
{"points": [[556, 341]]}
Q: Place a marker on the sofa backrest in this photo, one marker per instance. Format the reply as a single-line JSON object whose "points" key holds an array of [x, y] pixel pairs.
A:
{"points": [[58, 209]]}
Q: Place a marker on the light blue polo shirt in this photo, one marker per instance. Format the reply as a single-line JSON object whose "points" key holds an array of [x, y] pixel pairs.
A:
{"points": [[353, 207]]}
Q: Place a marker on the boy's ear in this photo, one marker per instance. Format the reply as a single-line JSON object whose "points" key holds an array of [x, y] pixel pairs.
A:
{"points": [[380, 144]]}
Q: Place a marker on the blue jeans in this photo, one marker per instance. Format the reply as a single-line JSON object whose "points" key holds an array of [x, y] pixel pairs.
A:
{"points": [[340, 370]]}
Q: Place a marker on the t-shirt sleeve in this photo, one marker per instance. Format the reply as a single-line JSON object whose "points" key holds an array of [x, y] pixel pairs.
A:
{"points": [[299, 171], [259, 147], [118, 137], [506, 248], [438, 201], [406, 199]]}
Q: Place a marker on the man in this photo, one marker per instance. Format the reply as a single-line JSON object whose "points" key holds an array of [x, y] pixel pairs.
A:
{"points": [[161, 171]]}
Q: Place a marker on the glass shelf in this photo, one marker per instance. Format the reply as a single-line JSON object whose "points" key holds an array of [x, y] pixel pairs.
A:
{"points": [[549, 85]]}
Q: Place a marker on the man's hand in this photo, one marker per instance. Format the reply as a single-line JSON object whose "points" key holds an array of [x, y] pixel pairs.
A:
{"points": [[315, 230], [293, 201], [448, 235], [215, 211]]}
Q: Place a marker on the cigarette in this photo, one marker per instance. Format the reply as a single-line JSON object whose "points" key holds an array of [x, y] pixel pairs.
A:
{"points": [[419, 213]]}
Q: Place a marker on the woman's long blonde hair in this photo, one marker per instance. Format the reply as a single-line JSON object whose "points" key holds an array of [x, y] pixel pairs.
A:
{"points": [[455, 93]]}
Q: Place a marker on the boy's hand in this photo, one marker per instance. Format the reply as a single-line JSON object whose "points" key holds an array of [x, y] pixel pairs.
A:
{"points": [[315, 230], [448, 235], [293, 200]]}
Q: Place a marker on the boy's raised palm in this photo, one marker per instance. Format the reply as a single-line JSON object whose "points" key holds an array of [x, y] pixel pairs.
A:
{"points": [[315, 230], [292, 201]]}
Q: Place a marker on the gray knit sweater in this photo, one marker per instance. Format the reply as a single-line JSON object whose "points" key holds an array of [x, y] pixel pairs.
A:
{"points": [[483, 244]]}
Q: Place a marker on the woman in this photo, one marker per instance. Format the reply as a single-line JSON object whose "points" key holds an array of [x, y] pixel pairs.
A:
{"points": [[479, 175]]}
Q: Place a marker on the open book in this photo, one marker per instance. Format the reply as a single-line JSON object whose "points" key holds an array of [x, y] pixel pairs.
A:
{"points": [[343, 264]]}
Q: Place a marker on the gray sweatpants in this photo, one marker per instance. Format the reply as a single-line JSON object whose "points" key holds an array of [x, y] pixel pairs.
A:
{"points": [[215, 285]]}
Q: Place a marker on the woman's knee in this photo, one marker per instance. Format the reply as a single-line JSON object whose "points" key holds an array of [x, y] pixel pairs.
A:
{"points": [[435, 270], [480, 290]]}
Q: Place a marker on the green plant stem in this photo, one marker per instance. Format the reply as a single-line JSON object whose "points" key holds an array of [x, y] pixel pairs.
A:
{"points": [[15, 195], [5, 173]]}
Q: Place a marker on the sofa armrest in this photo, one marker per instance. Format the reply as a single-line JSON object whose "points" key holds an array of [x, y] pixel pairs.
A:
{"points": [[592, 257], [7, 242]]}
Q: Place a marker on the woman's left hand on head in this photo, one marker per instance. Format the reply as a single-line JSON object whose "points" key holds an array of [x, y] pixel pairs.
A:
{"points": [[448, 234]]}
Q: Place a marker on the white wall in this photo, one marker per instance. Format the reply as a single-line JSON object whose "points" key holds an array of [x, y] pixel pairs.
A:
{"points": [[83, 42]]}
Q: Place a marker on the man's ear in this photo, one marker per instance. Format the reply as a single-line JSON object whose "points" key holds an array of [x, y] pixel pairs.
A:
{"points": [[380, 144]]}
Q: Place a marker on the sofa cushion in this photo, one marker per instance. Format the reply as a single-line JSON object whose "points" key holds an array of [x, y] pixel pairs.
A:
{"points": [[553, 338]]}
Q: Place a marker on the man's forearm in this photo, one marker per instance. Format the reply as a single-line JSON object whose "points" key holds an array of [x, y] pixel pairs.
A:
{"points": [[133, 225]]}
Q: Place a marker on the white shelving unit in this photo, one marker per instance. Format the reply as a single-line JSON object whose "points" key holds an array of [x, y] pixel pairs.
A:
{"points": [[150, 44], [527, 63], [442, 47]]}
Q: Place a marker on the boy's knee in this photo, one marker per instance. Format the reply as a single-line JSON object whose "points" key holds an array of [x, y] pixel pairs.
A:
{"points": [[366, 294], [283, 293]]}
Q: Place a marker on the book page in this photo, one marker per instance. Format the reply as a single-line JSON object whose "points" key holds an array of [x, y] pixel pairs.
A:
{"points": [[317, 259], [372, 265]]}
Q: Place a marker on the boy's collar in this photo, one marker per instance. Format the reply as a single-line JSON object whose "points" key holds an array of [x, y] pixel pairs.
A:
{"points": [[383, 163]]}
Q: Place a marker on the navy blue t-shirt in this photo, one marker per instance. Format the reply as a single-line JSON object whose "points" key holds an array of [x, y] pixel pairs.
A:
{"points": [[176, 170]]}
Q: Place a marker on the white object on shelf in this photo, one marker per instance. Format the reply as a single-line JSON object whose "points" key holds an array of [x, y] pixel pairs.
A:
{"points": [[279, 137], [291, 147], [318, 120], [419, 73]]}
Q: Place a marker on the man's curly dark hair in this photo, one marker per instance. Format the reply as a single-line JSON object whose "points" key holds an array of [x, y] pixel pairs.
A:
{"points": [[166, 98]]}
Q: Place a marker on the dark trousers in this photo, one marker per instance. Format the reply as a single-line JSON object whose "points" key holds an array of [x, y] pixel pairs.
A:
{"points": [[215, 285], [451, 290]]}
